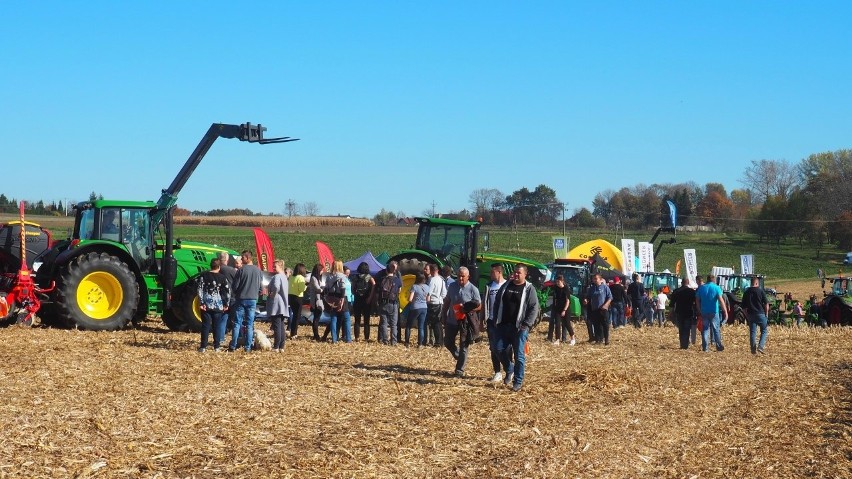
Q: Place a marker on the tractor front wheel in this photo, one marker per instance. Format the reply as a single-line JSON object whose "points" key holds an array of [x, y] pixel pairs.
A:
{"points": [[98, 292]]}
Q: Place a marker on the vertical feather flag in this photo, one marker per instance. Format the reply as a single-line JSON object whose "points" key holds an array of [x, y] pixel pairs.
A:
{"points": [[325, 255], [265, 255], [677, 268]]}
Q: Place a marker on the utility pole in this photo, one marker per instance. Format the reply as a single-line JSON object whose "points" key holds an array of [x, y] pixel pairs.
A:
{"points": [[433, 208]]}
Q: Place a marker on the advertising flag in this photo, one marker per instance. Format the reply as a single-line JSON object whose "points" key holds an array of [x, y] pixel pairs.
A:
{"points": [[646, 256], [560, 247], [628, 251], [325, 256], [691, 264], [672, 213], [265, 255], [747, 263]]}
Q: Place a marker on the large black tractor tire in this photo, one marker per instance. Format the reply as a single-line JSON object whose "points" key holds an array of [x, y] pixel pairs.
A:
{"points": [[739, 315], [174, 322], [98, 292], [184, 315]]}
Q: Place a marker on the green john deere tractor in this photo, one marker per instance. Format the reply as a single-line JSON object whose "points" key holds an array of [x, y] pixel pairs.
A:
{"points": [[123, 262], [460, 243]]}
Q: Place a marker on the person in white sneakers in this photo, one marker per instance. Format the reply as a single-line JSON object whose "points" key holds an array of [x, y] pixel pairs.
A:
{"points": [[497, 280], [560, 324]]}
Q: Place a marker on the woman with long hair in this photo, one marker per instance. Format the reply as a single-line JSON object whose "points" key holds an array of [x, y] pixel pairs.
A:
{"points": [[315, 287], [297, 285]]}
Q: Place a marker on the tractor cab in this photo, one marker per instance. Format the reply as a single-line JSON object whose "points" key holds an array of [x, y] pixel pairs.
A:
{"points": [[126, 224], [452, 241], [576, 272], [660, 282]]}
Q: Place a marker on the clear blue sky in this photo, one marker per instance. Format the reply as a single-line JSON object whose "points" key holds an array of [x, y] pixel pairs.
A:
{"points": [[400, 103]]}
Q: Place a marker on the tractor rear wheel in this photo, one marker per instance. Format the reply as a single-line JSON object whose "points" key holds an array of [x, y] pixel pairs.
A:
{"points": [[98, 292], [185, 315], [411, 266]]}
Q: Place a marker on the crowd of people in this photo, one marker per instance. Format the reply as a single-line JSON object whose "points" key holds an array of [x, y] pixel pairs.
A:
{"points": [[449, 312]]}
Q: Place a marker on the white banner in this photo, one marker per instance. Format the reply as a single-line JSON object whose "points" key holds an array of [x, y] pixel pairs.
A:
{"points": [[691, 263], [628, 252], [747, 263], [646, 257]]}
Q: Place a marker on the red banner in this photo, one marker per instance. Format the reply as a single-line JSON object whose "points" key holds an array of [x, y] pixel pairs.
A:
{"points": [[325, 255], [265, 254]]}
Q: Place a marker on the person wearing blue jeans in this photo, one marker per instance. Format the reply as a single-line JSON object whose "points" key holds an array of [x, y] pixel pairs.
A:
{"points": [[214, 293], [497, 281], [710, 301], [246, 287], [515, 313], [757, 310], [417, 301]]}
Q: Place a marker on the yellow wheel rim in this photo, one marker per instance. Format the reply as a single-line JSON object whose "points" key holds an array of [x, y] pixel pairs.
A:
{"points": [[407, 283], [196, 308], [99, 295]]}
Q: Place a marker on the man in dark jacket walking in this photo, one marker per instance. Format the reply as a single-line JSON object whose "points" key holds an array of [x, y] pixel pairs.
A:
{"points": [[635, 298], [516, 311], [683, 301]]}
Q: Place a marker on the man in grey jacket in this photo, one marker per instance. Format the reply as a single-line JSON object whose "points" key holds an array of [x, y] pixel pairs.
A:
{"points": [[462, 297], [516, 311]]}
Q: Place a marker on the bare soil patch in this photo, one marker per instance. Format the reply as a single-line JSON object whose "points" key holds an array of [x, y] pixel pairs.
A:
{"points": [[145, 404]]}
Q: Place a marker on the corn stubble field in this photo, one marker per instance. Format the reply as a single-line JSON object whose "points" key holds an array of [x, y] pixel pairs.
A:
{"points": [[143, 403]]}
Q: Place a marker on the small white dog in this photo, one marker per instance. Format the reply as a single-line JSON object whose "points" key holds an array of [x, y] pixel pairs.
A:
{"points": [[261, 342]]}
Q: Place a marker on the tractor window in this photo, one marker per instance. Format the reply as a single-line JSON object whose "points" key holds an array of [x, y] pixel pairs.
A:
{"points": [[110, 224], [443, 240], [136, 233], [87, 224]]}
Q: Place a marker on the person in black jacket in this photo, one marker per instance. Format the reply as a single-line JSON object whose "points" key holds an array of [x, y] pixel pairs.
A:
{"points": [[635, 298], [683, 301], [214, 293], [619, 299]]}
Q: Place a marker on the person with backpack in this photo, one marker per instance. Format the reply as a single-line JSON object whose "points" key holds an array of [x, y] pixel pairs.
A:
{"points": [[635, 299], [362, 290], [434, 305], [336, 304], [214, 293], [387, 303]]}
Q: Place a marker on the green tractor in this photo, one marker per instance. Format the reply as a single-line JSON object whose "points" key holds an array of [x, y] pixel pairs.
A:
{"points": [[660, 282], [836, 306], [123, 262], [460, 243]]}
